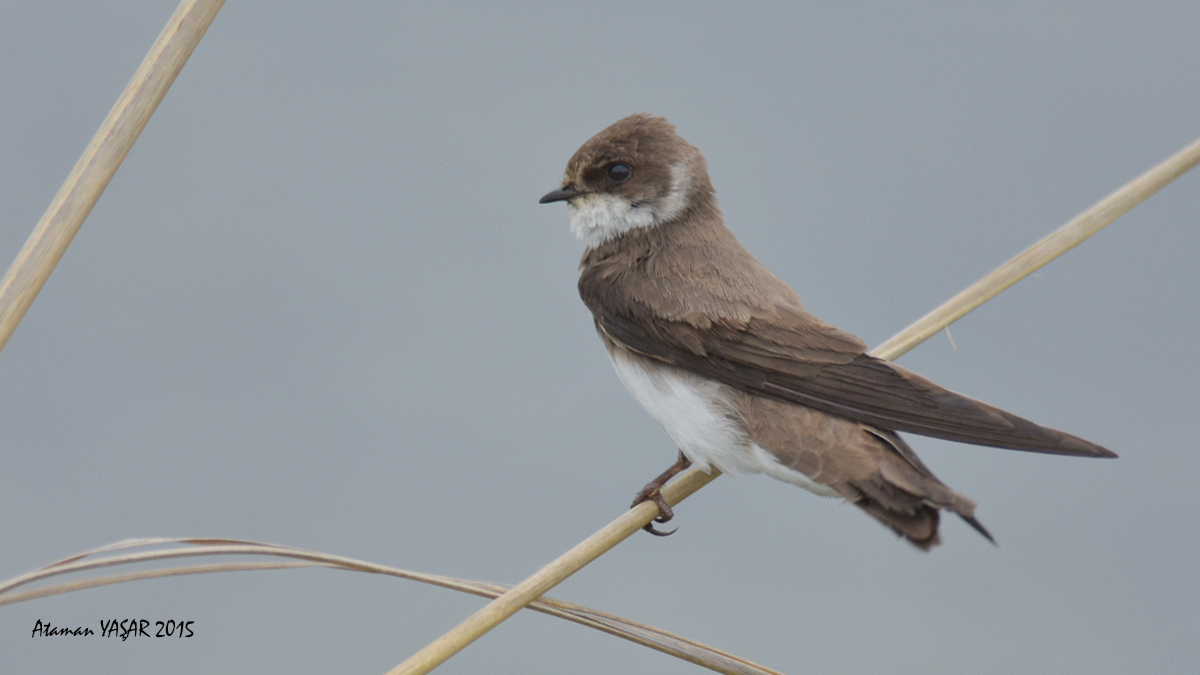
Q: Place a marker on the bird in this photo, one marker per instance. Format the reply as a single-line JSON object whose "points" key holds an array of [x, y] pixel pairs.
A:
{"points": [[723, 356]]}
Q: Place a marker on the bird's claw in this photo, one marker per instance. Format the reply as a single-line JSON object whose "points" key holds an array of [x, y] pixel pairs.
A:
{"points": [[653, 493]]}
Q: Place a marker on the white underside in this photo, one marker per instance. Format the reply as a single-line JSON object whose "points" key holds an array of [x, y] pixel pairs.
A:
{"points": [[699, 417]]}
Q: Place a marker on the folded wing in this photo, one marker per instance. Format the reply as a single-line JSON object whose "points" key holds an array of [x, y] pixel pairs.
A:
{"points": [[790, 355]]}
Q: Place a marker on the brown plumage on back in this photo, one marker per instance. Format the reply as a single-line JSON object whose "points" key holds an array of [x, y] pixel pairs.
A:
{"points": [[722, 354]]}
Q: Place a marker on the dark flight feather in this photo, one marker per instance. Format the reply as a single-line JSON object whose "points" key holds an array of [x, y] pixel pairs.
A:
{"points": [[800, 359]]}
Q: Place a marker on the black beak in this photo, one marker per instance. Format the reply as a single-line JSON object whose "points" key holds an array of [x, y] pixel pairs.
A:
{"points": [[562, 194]]}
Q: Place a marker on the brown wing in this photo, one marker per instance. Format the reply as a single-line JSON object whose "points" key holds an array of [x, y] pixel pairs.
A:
{"points": [[793, 356]]}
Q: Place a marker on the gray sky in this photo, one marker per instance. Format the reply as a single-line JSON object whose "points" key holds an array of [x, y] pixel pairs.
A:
{"points": [[319, 305]]}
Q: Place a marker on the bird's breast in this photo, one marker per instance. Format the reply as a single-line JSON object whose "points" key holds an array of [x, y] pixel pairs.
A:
{"points": [[698, 414]]}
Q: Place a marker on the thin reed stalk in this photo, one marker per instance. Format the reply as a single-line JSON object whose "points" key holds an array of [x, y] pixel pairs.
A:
{"points": [[1033, 258], [100, 161], [648, 636]]}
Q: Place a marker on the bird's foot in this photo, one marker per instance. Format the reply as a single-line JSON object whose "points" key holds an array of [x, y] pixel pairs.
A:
{"points": [[653, 493]]}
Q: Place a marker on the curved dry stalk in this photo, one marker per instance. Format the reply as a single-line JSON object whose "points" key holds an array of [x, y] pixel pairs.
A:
{"points": [[101, 159], [648, 636], [140, 575], [1061, 240]]}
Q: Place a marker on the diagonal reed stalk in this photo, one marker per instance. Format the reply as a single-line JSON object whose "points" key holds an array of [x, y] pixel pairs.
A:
{"points": [[1061, 240], [101, 159]]}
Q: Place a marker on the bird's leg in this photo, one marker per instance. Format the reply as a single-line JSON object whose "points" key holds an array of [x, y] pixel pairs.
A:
{"points": [[653, 493]]}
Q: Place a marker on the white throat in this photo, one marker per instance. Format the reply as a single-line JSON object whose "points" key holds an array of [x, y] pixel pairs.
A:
{"points": [[598, 216]]}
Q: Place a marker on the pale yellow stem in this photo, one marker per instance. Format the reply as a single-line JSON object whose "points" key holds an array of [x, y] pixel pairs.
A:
{"points": [[1055, 244], [101, 159]]}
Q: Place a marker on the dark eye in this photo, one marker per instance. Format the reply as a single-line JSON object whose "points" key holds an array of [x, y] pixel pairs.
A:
{"points": [[618, 172]]}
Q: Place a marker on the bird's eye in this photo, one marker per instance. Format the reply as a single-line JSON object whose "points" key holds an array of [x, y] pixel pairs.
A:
{"points": [[618, 172]]}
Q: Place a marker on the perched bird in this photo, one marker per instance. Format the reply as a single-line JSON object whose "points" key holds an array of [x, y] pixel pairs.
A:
{"points": [[723, 356]]}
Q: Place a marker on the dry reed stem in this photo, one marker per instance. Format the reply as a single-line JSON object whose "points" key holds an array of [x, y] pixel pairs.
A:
{"points": [[1061, 240], [1033, 258], [101, 159], [549, 576], [645, 635]]}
